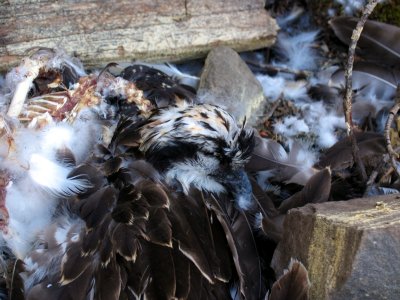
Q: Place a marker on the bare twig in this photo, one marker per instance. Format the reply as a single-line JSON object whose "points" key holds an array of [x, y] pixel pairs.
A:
{"points": [[272, 109], [348, 76], [269, 68], [392, 113]]}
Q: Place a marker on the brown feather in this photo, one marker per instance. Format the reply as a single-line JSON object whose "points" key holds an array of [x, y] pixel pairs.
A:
{"points": [[270, 155], [159, 264], [112, 166], [154, 194], [182, 273], [316, 190], [194, 237], [66, 157], [201, 289], [223, 269], [73, 264], [14, 283], [125, 242], [242, 244], [97, 205], [293, 284], [273, 227], [264, 202], [367, 76], [126, 134], [378, 41], [77, 289], [90, 173], [158, 228], [108, 282], [340, 156]]}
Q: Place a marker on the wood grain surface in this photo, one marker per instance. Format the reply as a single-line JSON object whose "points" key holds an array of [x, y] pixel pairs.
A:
{"points": [[103, 31]]}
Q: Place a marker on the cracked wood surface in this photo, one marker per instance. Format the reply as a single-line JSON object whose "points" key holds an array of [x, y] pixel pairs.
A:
{"points": [[102, 31]]}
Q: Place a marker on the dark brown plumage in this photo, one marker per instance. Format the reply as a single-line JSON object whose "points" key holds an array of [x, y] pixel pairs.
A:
{"points": [[157, 86], [143, 237], [131, 236], [167, 210]]}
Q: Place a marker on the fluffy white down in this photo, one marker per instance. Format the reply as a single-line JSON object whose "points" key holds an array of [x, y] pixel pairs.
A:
{"points": [[39, 180], [352, 7], [195, 172], [30, 209], [296, 51]]}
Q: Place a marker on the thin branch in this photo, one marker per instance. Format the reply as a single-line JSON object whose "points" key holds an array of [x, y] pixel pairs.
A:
{"points": [[392, 113], [348, 76], [273, 108], [271, 69]]}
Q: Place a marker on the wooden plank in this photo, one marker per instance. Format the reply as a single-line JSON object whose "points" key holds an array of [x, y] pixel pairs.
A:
{"points": [[204, 7], [102, 31]]}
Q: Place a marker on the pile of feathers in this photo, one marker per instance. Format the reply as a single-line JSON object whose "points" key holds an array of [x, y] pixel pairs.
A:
{"points": [[123, 185]]}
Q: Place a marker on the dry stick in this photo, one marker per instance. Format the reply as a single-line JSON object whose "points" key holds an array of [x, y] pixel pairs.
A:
{"points": [[348, 97], [274, 106], [271, 68], [393, 112]]}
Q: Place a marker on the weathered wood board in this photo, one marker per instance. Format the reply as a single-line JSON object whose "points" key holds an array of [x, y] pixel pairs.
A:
{"points": [[157, 30]]}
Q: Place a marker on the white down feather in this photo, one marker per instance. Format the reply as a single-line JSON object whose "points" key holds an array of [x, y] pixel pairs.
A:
{"points": [[38, 180]]}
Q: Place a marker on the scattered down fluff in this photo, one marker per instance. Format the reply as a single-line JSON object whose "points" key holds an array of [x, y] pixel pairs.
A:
{"points": [[37, 164]]}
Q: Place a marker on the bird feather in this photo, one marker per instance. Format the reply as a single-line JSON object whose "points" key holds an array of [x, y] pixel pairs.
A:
{"points": [[293, 284], [289, 167], [316, 190], [242, 244], [340, 156], [378, 41]]}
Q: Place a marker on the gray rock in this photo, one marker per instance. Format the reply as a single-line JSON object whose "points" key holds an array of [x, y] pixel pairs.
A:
{"points": [[351, 249], [227, 81]]}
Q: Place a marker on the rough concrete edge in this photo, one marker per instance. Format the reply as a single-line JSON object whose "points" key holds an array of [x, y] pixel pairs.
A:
{"points": [[336, 245], [337, 271]]}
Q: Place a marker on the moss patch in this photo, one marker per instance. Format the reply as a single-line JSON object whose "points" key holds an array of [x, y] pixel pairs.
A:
{"points": [[387, 12]]}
